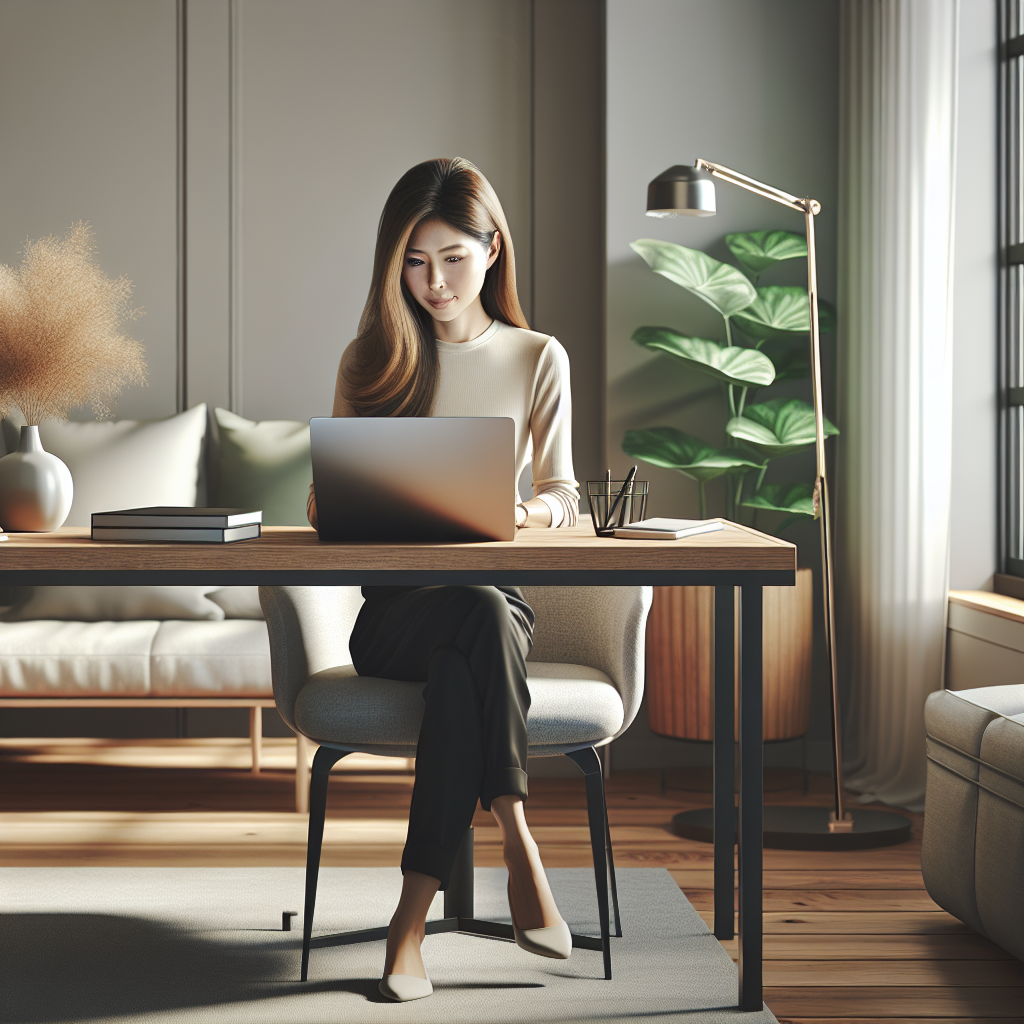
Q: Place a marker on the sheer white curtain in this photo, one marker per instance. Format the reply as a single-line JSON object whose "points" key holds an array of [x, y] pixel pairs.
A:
{"points": [[897, 166]]}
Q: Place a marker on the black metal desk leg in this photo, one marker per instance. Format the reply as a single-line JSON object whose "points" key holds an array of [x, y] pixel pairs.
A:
{"points": [[724, 761], [751, 812]]}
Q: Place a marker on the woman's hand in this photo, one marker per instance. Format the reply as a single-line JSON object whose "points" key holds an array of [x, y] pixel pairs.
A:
{"points": [[532, 513]]}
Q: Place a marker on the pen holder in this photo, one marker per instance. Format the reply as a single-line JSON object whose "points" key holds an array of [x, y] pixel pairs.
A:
{"points": [[611, 507]]}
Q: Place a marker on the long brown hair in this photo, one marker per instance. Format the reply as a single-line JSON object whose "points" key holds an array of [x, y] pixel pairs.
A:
{"points": [[394, 370]]}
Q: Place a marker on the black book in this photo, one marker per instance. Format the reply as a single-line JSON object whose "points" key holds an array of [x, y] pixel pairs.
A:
{"points": [[178, 517], [184, 535]]}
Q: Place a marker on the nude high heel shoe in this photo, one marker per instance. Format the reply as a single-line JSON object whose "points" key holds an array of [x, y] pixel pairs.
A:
{"points": [[555, 941], [403, 988]]}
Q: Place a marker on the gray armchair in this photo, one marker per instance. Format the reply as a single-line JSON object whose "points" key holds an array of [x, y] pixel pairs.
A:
{"points": [[972, 851], [585, 674]]}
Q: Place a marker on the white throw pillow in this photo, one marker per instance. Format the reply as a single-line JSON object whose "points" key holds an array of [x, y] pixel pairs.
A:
{"points": [[238, 602], [119, 464], [106, 604]]}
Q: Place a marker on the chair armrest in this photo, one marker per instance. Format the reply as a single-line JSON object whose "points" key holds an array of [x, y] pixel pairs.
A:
{"points": [[309, 630], [600, 627]]}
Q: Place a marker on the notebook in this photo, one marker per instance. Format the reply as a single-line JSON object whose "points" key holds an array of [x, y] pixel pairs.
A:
{"points": [[667, 529]]}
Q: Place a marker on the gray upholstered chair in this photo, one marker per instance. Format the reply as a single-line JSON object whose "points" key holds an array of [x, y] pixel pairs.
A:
{"points": [[585, 671]]}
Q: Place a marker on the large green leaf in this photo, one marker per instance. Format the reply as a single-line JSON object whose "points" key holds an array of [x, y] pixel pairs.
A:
{"points": [[719, 285], [743, 366], [796, 499], [780, 311], [759, 250], [672, 449], [792, 360], [778, 427]]}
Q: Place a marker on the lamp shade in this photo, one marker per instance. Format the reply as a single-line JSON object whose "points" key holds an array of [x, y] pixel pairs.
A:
{"points": [[681, 191]]}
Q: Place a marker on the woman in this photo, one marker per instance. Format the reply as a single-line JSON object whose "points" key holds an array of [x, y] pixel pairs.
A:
{"points": [[443, 334]]}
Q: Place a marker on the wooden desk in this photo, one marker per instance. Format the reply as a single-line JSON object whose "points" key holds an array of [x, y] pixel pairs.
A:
{"points": [[734, 557]]}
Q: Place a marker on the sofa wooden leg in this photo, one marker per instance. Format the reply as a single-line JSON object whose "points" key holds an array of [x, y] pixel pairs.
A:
{"points": [[256, 737], [302, 752]]}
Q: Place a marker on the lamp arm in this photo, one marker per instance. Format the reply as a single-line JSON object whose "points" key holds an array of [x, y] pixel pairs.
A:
{"points": [[753, 185], [809, 208]]}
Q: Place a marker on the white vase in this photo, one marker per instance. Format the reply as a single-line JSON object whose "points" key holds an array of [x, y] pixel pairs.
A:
{"points": [[35, 487]]}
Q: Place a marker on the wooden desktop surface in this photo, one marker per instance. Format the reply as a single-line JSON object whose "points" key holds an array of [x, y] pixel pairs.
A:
{"points": [[297, 549]]}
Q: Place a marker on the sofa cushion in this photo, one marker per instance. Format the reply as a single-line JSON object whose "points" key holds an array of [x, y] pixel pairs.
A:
{"points": [[117, 604], [238, 602], [262, 465], [954, 728], [211, 659], [126, 463], [999, 858], [76, 659], [571, 706], [135, 659]]}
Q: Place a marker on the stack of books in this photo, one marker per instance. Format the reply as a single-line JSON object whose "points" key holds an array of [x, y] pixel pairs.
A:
{"points": [[181, 524]]}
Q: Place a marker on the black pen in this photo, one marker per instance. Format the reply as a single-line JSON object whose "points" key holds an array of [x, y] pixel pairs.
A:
{"points": [[628, 482], [628, 488]]}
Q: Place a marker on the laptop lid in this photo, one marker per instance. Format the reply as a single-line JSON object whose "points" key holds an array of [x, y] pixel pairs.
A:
{"points": [[414, 478]]}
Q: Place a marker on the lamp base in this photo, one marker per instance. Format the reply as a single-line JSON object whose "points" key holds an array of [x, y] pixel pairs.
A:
{"points": [[806, 828]]}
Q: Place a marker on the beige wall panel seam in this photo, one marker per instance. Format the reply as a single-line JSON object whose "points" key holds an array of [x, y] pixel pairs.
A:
{"points": [[235, 399]]}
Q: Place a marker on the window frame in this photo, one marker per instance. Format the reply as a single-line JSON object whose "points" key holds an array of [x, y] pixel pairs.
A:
{"points": [[1010, 360]]}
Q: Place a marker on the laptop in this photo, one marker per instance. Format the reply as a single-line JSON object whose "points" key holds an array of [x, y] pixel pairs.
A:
{"points": [[414, 478]]}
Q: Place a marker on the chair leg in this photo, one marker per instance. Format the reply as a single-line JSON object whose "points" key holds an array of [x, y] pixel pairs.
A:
{"points": [[323, 761], [256, 736], [608, 847], [302, 747], [590, 764], [611, 869]]}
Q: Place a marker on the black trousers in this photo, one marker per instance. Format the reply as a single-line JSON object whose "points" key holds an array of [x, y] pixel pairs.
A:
{"points": [[470, 645]]}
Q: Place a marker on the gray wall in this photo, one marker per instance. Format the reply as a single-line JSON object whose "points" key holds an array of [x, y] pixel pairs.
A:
{"points": [[754, 86], [333, 103], [568, 207], [88, 132], [973, 552], [296, 120], [749, 84]]}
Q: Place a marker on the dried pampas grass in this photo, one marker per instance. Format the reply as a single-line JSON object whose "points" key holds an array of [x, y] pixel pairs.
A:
{"points": [[60, 346]]}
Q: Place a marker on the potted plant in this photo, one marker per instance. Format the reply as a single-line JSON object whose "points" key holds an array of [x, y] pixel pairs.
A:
{"points": [[765, 343], [60, 348]]}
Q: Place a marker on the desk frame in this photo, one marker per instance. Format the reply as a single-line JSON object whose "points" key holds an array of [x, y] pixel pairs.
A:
{"points": [[741, 831]]}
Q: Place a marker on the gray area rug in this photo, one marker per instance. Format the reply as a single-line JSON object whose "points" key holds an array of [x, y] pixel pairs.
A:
{"points": [[205, 945]]}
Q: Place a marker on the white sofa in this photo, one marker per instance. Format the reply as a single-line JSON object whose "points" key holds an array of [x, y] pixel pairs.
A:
{"points": [[160, 646]]}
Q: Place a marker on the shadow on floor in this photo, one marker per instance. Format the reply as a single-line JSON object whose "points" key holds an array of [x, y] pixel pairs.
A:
{"points": [[67, 967]]}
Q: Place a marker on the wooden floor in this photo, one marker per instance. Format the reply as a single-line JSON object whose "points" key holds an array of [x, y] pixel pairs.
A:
{"points": [[849, 937]]}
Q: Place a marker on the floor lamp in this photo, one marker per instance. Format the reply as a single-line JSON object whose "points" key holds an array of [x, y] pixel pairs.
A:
{"points": [[690, 191]]}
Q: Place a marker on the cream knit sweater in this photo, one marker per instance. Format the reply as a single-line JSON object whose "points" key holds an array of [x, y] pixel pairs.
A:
{"points": [[509, 371]]}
